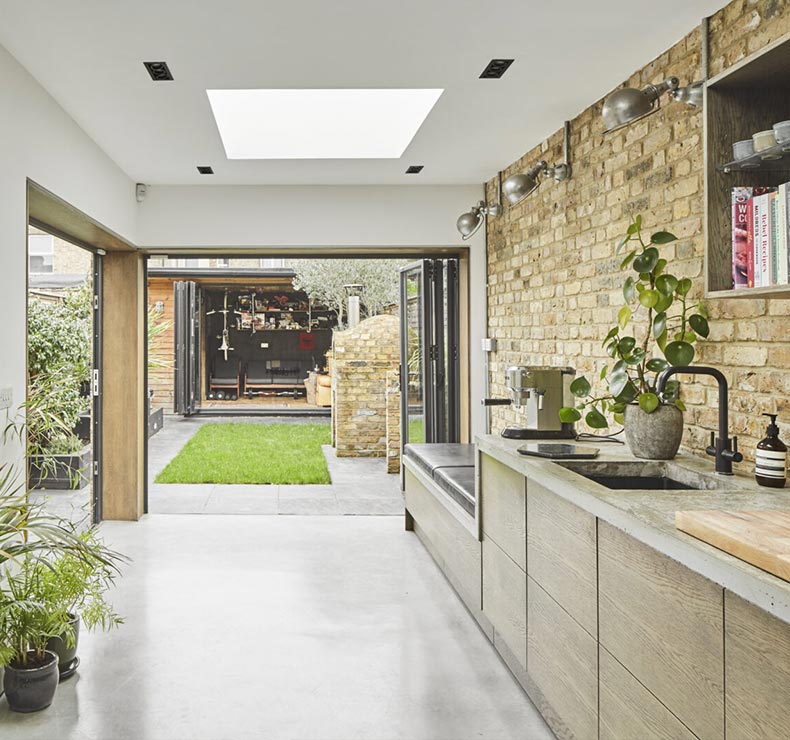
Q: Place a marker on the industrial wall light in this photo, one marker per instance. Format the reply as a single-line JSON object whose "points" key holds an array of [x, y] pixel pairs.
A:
{"points": [[629, 104], [468, 223], [517, 187]]}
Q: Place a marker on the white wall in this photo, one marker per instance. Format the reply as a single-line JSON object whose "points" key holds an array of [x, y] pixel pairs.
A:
{"points": [[175, 218], [38, 140]]}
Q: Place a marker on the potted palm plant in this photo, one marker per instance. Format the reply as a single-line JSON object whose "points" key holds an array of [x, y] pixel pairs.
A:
{"points": [[77, 585], [27, 622], [657, 326]]}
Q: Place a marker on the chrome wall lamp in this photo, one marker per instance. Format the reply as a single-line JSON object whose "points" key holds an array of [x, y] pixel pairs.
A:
{"points": [[517, 187], [629, 104], [468, 223]]}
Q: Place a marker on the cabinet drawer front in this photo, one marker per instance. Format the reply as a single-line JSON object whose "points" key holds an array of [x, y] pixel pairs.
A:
{"points": [[562, 664], [757, 647], [505, 599], [562, 553], [455, 550], [664, 624], [629, 710], [503, 508]]}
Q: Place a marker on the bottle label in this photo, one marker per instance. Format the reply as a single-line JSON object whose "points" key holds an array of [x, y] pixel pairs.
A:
{"points": [[770, 464]]}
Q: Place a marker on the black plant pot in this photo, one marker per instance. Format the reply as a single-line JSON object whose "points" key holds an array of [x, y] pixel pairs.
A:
{"points": [[67, 656], [31, 689]]}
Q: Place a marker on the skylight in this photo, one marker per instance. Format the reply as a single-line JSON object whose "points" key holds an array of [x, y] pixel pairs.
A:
{"points": [[319, 124]]}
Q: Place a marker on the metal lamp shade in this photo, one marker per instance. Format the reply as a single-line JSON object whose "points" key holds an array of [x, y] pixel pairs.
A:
{"points": [[518, 187], [468, 223], [627, 105]]}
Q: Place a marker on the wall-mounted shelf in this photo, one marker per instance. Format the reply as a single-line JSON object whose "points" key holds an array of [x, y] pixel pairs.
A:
{"points": [[775, 159], [748, 97]]}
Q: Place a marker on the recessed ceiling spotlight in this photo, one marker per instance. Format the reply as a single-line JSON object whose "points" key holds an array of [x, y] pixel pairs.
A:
{"points": [[496, 68], [159, 71], [204, 169], [414, 169]]}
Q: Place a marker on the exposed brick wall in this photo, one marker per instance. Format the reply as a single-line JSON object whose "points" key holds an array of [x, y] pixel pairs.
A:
{"points": [[361, 359], [554, 284], [393, 421]]}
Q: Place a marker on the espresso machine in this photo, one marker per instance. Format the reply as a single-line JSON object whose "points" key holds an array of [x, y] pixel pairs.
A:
{"points": [[539, 393]]}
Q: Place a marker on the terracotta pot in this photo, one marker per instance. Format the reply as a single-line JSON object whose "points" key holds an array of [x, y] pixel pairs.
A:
{"points": [[654, 436]]}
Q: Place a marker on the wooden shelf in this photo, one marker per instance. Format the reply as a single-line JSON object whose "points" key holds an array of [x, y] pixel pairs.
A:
{"points": [[748, 97], [775, 291]]}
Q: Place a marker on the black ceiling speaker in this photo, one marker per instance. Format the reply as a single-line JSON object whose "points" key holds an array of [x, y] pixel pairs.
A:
{"points": [[159, 71], [496, 68]]}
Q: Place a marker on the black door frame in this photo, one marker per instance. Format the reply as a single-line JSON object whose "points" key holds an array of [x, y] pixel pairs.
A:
{"points": [[97, 384]]}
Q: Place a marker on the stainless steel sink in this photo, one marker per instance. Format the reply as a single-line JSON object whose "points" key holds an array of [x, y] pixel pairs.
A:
{"points": [[647, 475]]}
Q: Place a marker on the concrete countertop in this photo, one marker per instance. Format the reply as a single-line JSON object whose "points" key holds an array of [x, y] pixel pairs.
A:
{"points": [[649, 516]]}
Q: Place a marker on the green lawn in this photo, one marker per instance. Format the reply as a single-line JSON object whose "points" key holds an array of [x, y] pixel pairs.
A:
{"points": [[416, 430], [252, 453]]}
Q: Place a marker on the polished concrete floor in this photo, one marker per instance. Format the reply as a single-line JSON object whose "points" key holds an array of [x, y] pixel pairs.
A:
{"points": [[282, 627]]}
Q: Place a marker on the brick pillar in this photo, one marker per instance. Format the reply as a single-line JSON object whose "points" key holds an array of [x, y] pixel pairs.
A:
{"points": [[393, 421]]}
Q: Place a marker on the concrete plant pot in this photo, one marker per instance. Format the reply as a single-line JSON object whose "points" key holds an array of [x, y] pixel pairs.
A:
{"points": [[654, 436], [60, 472]]}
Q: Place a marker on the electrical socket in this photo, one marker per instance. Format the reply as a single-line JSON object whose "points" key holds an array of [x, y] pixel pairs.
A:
{"points": [[6, 397]]}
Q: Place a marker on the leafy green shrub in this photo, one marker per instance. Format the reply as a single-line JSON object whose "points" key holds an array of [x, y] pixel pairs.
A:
{"points": [[59, 362]]}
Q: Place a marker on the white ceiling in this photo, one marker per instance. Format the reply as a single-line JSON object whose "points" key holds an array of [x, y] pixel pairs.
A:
{"points": [[88, 54]]}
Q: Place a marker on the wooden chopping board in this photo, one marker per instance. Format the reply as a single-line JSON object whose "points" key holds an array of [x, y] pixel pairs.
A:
{"points": [[761, 538]]}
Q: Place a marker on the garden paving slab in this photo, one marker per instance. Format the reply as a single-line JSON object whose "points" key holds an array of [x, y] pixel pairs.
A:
{"points": [[311, 507]]}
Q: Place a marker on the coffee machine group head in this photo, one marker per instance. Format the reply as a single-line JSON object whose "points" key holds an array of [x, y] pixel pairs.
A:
{"points": [[539, 393]]}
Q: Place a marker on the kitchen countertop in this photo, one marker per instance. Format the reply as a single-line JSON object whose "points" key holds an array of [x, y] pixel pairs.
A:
{"points": [[649, 516]]}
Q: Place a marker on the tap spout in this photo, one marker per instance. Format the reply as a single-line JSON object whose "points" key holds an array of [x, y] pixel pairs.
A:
{"points": [[719, 447]]}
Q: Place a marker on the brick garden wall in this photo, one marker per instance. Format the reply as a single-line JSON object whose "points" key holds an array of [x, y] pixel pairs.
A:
{"points": [[554, 284], [362, 358]]}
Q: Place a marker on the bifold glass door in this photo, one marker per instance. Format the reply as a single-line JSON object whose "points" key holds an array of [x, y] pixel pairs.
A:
{"points": [[429, 352], [187, 347]]}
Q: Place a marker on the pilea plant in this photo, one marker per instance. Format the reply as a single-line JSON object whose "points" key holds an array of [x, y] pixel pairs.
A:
{"points": [[673, 325]]}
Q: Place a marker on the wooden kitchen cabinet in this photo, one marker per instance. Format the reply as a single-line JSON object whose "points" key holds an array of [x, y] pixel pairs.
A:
{"points": [[664, 624], [629, 710], [562, 553], [503, 508], [505, 600], [562, 666], [757, 651]]}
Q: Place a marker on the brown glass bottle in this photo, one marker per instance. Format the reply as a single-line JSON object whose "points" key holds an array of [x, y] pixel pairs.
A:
{"points": [[770, 468]]}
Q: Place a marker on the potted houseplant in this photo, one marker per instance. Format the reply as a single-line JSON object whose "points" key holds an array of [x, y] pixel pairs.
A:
{"points": [[28, 535], [27, 622], [76, 585], [657, 326]]}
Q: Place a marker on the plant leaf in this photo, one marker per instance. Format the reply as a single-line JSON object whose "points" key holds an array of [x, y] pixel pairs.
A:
{"points": [[666, 284], [700, 324], [680, 404], [625, 345], [656, 365], [628, 394], [624, 316], [684, 286], [663, 237], [596, 419], [628, 289], [617, 383], [664, 302], [648, 402], [612, 332], [661, 340], [604, 370], [569, 415], [580, 387], [627, 260], [646, 261], [622, 243], [660, 267], [679, 353], [636, 356], [649, 298], [659, 324]]}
